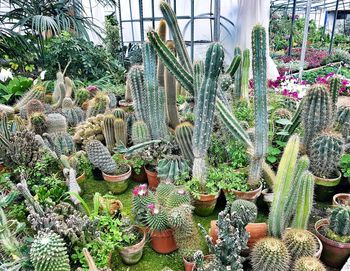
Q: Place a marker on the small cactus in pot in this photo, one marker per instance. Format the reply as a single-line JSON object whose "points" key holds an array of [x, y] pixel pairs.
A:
{"points": [[308, 264], [339, 227]]}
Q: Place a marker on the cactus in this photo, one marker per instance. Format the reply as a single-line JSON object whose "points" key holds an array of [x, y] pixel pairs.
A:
{"points": [[140, 132], [173, 168], [309, 264], [135, 79], [120, 132], [98, 105], [81, 96], [225, 82], [339, 225], [238, 74], [245, 76], [56, 123], [317, 113], [184, 134], [198, 72], [325, 153], [56, 95], [170, 93], [270, 254], [60, 143], [74, 115], [295, 122], [59, 102], [334, 86], [38, 123], [343, 117], [300, 243], [180, 219], [160, 65], [36, 92], [142, 198], [282, 113], [69, 86], [112, 100], [282, 186], [260, 104], [156, 218], [33, 106], [204, 109], [91, 129], [178, 197], [164, 189], [235, 64], [108, 131], [48, 252], [119, 113], [246, 210], [100, 157]]}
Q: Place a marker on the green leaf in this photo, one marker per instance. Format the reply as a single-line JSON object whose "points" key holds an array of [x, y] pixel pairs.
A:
{"points": [[284, 122], [284, 133], [271, 159]]}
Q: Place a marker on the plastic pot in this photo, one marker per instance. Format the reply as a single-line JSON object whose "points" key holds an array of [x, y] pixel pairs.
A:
{"points": [[133, 254], [205, 204], [117, 184], [163, 241], [326, 188]]}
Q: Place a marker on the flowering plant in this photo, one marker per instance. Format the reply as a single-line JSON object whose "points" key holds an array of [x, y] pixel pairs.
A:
{"points": [[345, 83], [289, 86]]}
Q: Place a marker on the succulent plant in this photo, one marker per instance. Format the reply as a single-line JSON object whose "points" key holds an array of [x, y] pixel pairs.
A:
{"points": [[178, 197], [164, 189], [183, 134], [325, 153], [270, 254], [162, 29], [140, 132], [120, 132], [343, 117], [334, 86], [173, 168], [36, 92], [246, 210], [73, 114], [225, 82], [120, 113], [91, 129], [300, 243], [49, 253], [100, 157], [33, 106], [98, 105], [142, 198], [108, 131], [60, 143], [309, 264], [81, 96], [38, 123], [339, 227], [244, 93], [156, 218], [56, 123], [58, 104], [238, 74]]}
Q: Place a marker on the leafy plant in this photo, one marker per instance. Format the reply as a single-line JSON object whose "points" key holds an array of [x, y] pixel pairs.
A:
{"points": [[345, 165], [14, 89], [194, 185], [136, 162]]}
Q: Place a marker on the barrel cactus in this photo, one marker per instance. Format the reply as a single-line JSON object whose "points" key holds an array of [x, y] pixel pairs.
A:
{"points": [[156, 218], [56, 123], [173, 168], [119, 113], [309, 264], [343, 117], [178, 197], [33, 106], [108, 131], [246, 210], [100, 157], [38, 123], [60, 143], [98, 105], [73, 114], [300, 243], [49, 253], [140, 132], [164, 189], [339, 227], [120, 132], [270, 254]]}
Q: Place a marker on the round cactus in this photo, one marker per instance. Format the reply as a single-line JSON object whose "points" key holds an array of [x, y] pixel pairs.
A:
{"points": [[34, 105], [178, 197], [309, 264], [300, 243], [270, 254], [339, 227], [156, 218], [67, 103], [180, 218], [140, 132], [56, 123], [164, 189], [49, 253], [38, 123], [119, 113], [98, 105], [325, 153], [283, 113], [246, 210]]}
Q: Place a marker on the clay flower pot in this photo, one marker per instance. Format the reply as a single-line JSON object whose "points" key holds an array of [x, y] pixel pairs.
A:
{"points": [[205, 204], [133, 254], [256, 232], [81, 178], [267, 196], [326, 188], [250, 195], [334, 253], [139, 178], [152, 178], [163, 241], [341, 199], [117, 184]]}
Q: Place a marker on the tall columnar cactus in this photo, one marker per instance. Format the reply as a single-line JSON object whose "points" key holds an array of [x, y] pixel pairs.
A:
{"points": [[68, 83], [36, 92], [204, 109], [48, 252], [33, 106], [282, 186], [325, 153], [38, 123], [225, 82], [120, 132], [270, 254], [98, 105], [140, 132], [160, 66], [260, 103], [59, 102], [235, 64], [339, 227], [245, 76], [238, 74], [170, 93], [309, 264], [100, 157], [198, 72], [317, 113], [184, 134], [56, 123], [154, 96], [56, 95], [334, 85], [108, 131], [136, 81]]}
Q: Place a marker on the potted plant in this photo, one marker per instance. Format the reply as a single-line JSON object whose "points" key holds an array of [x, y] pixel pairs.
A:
{"points": [[345, 166], [341, 199], [334, 234], [138, 168], [81, 164], [115, 175]]}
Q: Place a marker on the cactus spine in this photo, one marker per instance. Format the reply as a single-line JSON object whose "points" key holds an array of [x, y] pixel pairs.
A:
{"points": [[184, 134], [170, 93], [108, 131], [204, 109], [238, 74], [245, 76], [309, 264], [120, 132], [100, 157], [260, 103], [140, 132]]}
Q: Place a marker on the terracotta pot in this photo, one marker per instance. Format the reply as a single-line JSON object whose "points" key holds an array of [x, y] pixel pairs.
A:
{"points": [[125, 105], [326, 188], [256, 231], [139, 178], [133, 254], [189, 266], [205, 204], [163, 241], [152, 178], [2, 167], [117, 184], [81, 178], [341, 199], [267, 196], [334, 253], [250, 195]]}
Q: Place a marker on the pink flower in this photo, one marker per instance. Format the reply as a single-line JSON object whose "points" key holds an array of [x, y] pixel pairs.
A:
{"points": [[135, 191], [91, 88]]}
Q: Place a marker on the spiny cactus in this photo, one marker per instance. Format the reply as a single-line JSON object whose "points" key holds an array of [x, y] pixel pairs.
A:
{"points": [[120, 132], [81, 96], [225, 82], [339, 226], [33, 106], [283, 113], [300, 243], [184, 134], [246, 210], [170, 93], [164, 189], [325, 153], [73, 114], [173, 168], [238, 74], [60, 143], [56, 95], [119, 113], [234, 65], [160, 66], [260, 104], [156, 218], [38, 123], [178, 197], [36, 92], [100, 157], [98, 105], [180, 219], [245, 76], [56, 123], [108, 131], [309, 264], [270, 254], [68, 83], [59, 102], [140, 132], [317, 113], [112, 99], [334, 86], [135, 79], [49, 253], [142, 198], [204, 109], [91, 129], [343, 115]]}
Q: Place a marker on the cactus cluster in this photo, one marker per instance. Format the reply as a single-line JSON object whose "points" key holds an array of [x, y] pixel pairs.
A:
{"points": [[173, 168], [49, 252], [100, 157], [36, 92], [81, 96], [60, 143], [114, 131], [309, 264], [339, 226], [38, 123], [164, 189], [178, 197], [73, 114], [98, 105], [34, 106], [91, 129]]}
